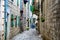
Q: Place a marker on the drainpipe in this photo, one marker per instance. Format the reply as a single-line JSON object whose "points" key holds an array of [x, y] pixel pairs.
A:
{"points": [[39, 14], [5, 19]]}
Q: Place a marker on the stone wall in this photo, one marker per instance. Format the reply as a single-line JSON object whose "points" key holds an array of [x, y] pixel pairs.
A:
{"points": [[1, 35], [50, 28], [14, 31]]}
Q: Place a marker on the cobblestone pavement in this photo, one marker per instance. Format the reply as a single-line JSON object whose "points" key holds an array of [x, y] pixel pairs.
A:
{"points": [[28, 35]]}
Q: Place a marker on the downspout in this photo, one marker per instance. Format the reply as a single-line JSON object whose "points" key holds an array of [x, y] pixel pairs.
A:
{"points": [[5, 19]]}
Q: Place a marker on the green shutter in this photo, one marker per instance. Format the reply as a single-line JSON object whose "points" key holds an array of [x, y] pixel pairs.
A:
{"points": [[17, 2], [16, 22], [12, 22], [32, 8], [19, 21], [32, 1]]}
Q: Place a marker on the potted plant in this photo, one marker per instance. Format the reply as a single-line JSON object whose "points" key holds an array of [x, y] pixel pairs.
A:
{"points": [[42, 19], [27, 28]]}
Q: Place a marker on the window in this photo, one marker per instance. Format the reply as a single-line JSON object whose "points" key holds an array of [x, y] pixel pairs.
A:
{"points": [[21, 12], [21, 4], [17, 2], [16, 22], [12, 22], [12, 0]]}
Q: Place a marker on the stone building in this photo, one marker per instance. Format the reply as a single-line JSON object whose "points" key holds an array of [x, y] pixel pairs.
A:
{"points": [[1, 20], [25, 13], [50, 27], [36, 4], [9, 19]]}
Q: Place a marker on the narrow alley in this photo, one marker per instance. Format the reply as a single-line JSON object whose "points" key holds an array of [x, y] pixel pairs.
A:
{"points": [[30, 34], [29, 19]]}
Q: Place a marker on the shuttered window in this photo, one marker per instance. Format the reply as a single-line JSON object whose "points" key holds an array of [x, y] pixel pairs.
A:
{"points": [[12, 21], [16, 22]]}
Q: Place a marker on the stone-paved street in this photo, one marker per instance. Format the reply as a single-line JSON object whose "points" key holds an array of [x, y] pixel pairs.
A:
{"points": [[28, 35]]}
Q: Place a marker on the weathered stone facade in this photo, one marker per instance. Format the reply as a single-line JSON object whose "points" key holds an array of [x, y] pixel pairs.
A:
{"points": [[1, 20], [7, 8], [15, 11], [14, 31], [50, 11], [1, 35], [36, 5]]}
